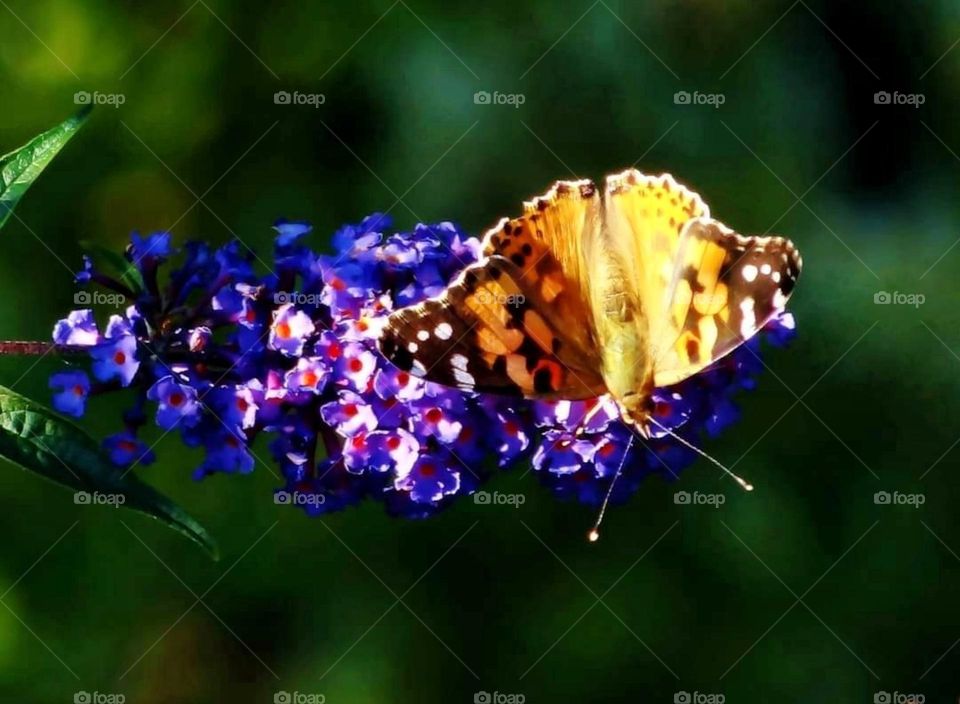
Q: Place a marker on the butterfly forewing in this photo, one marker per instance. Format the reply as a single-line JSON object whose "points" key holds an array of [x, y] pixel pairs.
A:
{"points": [[487, 333], [547, 245], [725, 288]]}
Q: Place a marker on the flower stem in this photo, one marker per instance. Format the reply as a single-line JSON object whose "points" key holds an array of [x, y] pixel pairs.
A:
{"points": [[35, 348]]}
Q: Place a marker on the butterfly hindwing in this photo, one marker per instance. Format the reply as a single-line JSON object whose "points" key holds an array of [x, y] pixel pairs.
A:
{"points": [[644, 217], [486, 333], [725, 287]]}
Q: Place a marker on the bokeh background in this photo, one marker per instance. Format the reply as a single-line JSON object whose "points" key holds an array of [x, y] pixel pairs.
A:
{"points": [[805, 590]]}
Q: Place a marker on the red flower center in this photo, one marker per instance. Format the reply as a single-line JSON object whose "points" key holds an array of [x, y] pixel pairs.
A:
{"points": [[350, 410], [119, 357], [393, 442], [427, 469], [176, 398], [356, 365], [434, 415], [403, 378]]}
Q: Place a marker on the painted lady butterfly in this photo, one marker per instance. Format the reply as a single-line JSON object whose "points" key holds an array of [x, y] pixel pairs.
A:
{"points": [[583, 296]]}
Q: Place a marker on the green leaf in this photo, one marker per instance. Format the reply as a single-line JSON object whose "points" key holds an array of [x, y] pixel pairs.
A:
{"points": [[128, 273], [21, 167], [35, 438]]}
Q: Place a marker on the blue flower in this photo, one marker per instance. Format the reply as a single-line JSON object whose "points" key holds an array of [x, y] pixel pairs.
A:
{"points": [[152, 247], [125, 449], [176, 403], [116, 358], [289, 232], [72, 389]]}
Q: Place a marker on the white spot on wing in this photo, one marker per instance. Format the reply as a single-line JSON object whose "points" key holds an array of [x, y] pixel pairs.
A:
{"points": [[749, 322], [464, 379], [423, 335], [765, 270], [779, 300], [412, 347], [444, 331], [749, 273]]}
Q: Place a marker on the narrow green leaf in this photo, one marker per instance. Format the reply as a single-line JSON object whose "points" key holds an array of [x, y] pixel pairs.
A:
{"points": [[128, 273], [35, 438], [21, 167]]}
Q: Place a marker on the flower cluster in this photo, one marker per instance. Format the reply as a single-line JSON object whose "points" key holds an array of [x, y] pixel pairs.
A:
{"points": [[222, 354]]}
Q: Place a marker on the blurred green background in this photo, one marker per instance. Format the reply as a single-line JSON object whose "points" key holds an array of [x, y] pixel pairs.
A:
{"points": [[805, 590]]}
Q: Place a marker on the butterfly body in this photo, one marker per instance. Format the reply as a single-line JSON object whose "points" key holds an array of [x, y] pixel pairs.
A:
{"points": [[583, 296]]}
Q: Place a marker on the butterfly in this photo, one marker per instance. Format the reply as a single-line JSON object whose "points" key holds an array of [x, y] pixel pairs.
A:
{"points": [[587, 294]]}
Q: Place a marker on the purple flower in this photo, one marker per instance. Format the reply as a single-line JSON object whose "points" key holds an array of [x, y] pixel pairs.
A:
{"points": [[349, 415], [176, 402], [116, 359], [78, 328], [429, 479], [310, 375], [72, 389], [289, 330]]}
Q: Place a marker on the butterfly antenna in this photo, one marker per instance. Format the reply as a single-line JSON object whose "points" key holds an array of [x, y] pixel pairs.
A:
{"points": [[594, 533], [744, 484]]}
